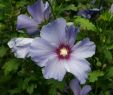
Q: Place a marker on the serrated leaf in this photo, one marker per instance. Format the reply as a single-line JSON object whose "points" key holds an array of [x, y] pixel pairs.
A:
{"points": [[11, 66], [85, 24], [110, 72], [3, 51], [93, 76]]}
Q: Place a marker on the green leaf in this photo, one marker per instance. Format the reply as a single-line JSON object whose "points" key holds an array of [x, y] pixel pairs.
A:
{"points": [[14, 91], [110, 72], [93, 76], [2, 26], [107, 93], [70, 7], [31, 88], [27, 85], [3, 51], [54, 86], [21, 3], [107, 54], [52, 91], [110, 1], [2, 6], [98, 63], [11, 66], [107, 16], [110, 47], [85, 24]]}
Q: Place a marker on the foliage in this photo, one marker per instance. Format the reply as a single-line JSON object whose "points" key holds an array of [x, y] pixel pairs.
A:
{"points": [[85, 24], [23, 77]]}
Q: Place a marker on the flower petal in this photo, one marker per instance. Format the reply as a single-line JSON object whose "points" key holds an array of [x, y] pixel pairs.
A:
{"points": [[79, 68], [71, 34], [47, 11], [54, 32], [29, 24], [41, 51], [85, 90], [20, 46], [54, 69], [75, 87], [89, 13], [84, 49], [36, 10], [84, 13]]}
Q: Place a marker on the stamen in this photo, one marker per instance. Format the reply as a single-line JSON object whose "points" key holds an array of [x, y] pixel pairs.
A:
{"points": [[63, 52]]}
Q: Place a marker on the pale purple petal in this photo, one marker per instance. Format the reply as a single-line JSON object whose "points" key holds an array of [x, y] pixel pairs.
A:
{"points": [[79, 68], [26, 22], [47, 11], [75, 86], [84, 49], [85, 90], [20, 46], [71, 34], [54, 69], [41, 51], [36, 10], [54, 32], [43, 59]]}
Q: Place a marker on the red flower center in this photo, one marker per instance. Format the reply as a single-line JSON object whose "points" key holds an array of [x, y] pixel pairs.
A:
{"points": [[63, 52]]}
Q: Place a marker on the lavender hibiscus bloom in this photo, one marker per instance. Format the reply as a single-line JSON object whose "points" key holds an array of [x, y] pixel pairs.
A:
{"points": [[56, 53], [75, 87], [40, 12], [20, 46], [89, 13]]}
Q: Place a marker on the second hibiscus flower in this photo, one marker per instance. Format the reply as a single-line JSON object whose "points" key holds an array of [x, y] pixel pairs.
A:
{"points": [[40, 12]]}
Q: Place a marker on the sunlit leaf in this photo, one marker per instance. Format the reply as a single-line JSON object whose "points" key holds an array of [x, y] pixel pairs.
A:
{"points": [[11, 65], [84, 24], [93, 76]]}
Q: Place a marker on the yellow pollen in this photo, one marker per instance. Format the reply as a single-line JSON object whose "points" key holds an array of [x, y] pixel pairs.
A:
{"points": [[64, 52]]}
